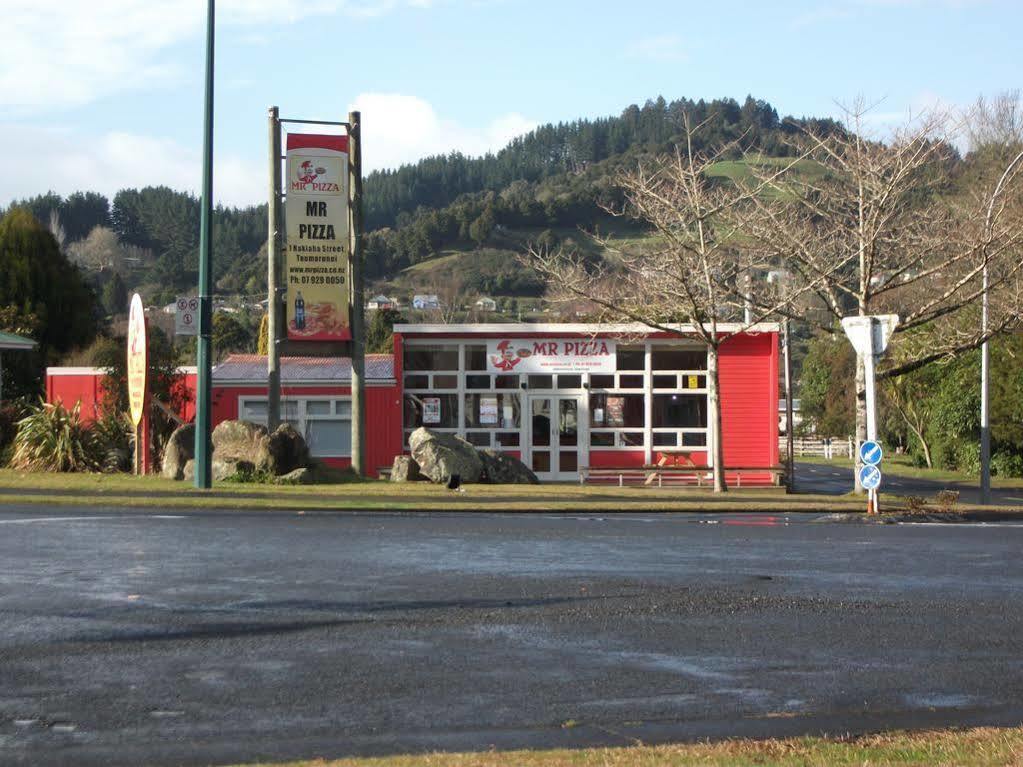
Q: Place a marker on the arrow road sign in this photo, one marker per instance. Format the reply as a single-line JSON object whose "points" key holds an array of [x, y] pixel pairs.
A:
{"points": [[871, 453], [870, 477]]}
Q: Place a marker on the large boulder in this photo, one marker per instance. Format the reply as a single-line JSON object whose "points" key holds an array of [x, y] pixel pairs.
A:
{"points": [[243, 441], [179, 450], [288, 450], [442, 455], [405, 469], [503, 469], [219, 469]]}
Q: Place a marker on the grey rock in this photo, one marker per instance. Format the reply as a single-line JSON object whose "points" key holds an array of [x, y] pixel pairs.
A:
{"points": [[243, 441], [441, 455], [220, 469], [301, 476], [405, 469], [188, 470], [503, 469], [179, 450], [288, 450]]}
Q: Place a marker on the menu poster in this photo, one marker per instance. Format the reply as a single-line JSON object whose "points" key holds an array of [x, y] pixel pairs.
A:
{"points": [[488, 410], [431, 410], [615, 411]]}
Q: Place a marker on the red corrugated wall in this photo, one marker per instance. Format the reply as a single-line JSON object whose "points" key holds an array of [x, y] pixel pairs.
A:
{"points": [[69, 389], [383, 416], [748, 372]]}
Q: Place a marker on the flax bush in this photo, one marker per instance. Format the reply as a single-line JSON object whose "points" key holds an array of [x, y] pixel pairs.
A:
{"points": [[53, 438]]}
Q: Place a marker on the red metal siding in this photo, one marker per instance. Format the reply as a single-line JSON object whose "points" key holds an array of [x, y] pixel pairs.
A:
{"points": [[748, 371], [615, 459], [383, 417], [69, 389]]}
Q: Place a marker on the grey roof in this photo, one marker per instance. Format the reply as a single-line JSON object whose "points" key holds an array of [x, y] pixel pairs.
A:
{"points": [[12, 341], [252, 367]]}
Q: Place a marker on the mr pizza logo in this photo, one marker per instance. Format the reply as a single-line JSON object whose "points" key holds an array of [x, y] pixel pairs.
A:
{"points": [[508, 357], [312, 177]]}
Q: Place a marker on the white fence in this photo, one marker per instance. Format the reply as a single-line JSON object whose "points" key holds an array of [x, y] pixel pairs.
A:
{"points": [[831, 447]]}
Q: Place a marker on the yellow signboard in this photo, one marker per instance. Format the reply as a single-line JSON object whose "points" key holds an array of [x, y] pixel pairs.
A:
{"points": [[317, 244]]}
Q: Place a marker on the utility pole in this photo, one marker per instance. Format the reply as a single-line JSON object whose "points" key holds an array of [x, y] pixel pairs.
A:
{"points": [[203, 421], [356, 315], [985, 352], [273, 271]]}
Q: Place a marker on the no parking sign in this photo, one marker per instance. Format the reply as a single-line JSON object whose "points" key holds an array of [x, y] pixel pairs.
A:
{"points": [[186, 318]]}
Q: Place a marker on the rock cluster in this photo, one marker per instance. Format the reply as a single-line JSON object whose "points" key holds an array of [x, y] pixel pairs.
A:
{"points": [[437, 457], [240, 447]]}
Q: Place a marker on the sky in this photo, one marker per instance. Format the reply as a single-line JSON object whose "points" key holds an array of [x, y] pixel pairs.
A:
{"points": [[108, 94]]}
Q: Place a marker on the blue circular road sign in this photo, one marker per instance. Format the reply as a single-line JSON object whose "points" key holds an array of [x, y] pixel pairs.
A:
{"points": [[870, 477], [871, 453]]}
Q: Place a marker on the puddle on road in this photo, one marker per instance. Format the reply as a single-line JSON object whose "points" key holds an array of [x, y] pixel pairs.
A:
{"points": [[940, 700]]}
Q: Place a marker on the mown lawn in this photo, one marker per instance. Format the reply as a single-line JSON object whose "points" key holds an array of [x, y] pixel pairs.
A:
{"points": [[125, 490], [978, 747], [903, 466]]}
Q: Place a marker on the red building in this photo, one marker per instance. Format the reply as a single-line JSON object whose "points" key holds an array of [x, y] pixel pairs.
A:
{"points": [[560, 397]]}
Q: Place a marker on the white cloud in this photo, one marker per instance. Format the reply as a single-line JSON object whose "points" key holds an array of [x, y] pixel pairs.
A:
{"points": [[65, 53], [43, 159], [397, 129], [663, 48], [400, 129]]}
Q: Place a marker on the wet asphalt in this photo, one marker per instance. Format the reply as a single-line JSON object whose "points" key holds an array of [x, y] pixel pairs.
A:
{"points": [[131, 638]]}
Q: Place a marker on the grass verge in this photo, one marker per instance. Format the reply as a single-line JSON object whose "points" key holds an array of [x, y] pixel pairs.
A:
{"points": [[977, 747], [903, 466]]}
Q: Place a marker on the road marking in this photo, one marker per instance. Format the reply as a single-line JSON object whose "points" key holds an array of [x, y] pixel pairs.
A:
{"points": [[33, 520]]}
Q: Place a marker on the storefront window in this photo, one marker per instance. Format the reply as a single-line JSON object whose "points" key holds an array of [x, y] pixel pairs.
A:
{"points": [[439, 411], [668, 358], [434, 357], [679, 411], [616, 410], [477, 382], [475, 357], [417, 382], [325, 423], [570, 381], [492, 411], [506, 382], [631, 358], [541, 382], [602, 381]]}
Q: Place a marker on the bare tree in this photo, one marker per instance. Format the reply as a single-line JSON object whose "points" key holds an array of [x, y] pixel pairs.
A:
{"points": [[692, 272], [874, 226]]}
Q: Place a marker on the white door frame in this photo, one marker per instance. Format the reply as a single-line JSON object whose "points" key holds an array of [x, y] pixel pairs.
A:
{"points": [[582, 443]]}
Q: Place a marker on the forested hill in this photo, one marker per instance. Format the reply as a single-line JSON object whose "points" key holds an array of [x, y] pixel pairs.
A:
{"points": [[552, 177], [569, 147]]}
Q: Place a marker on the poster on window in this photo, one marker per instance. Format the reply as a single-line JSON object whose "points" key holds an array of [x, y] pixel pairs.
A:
{"points": [[488, 410], [551, 355], [431, 410], [615, 412], [316, 242]]}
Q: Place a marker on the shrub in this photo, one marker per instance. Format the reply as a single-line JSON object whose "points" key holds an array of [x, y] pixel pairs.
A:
{"points": [[53, 438], [114, 433], [1007, 464], [10, 414]]}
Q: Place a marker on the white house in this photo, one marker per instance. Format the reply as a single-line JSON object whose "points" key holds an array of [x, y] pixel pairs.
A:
{"points": [[485, 304], [425, 302]]}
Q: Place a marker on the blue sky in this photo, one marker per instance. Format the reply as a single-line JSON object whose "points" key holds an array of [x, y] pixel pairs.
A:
{"points": [[108, 93]]}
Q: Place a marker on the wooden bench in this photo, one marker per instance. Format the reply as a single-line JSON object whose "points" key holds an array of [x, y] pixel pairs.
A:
{"points": [[698, 475]]}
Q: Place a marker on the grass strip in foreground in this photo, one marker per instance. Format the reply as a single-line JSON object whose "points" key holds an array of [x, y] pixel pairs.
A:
{"points": [[977, 747]]}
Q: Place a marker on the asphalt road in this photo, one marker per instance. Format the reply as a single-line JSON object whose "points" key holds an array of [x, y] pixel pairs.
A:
{"points": [[834, 480], [212, 638]]}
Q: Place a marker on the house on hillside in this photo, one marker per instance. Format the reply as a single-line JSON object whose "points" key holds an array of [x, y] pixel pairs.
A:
{"points": [[425, 301], [383, 302], [485, 304]]}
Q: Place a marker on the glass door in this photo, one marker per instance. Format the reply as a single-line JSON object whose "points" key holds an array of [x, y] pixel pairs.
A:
{"points": [[554, 442]]}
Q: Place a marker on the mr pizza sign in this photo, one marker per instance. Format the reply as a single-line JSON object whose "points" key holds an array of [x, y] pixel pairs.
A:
{"points": [[550, 355], [317, 245]]}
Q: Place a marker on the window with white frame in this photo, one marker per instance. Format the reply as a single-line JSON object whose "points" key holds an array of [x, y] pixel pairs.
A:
{"points": [[324, 422]]}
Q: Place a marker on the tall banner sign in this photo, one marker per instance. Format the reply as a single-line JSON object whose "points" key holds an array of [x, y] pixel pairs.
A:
{"points": [[138, 362], [316, 249]]}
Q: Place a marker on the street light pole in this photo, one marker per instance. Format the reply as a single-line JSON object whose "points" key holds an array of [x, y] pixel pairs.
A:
{"points": [[204, 385]]}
